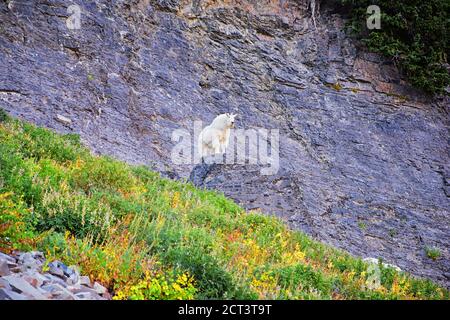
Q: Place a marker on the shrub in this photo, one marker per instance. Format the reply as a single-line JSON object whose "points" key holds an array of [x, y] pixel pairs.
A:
{"points": [[414, 34], [433, 253], [116, 262], [159, 286], [96, 173], [15, 233], [3, 115], [40, 143], [213, 281], [309, 280], [74, 212]]}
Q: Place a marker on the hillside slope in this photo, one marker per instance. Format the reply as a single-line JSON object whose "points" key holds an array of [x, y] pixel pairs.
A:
{"points": [[144, 236], [364, 159]]}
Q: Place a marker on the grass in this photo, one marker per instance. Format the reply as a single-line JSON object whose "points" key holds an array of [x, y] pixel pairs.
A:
{"points": [[362, 225], [433, 253], [146, 237], [336, 86]]}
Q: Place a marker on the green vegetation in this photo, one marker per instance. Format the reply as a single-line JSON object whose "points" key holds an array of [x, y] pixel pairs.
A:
{"points": [[3, 115], [433, 253], [362, 225], [414, 34], [392, 233], [145, 237]]}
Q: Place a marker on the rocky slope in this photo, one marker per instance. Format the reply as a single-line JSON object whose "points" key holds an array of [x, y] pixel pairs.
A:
{"points": [[364, 159], [22, 278]]}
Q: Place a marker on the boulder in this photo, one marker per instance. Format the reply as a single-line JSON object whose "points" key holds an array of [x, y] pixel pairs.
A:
{"points": [[35, 279], [4, 284], [73, 275], [58, 292], [6, 257], [85, 281], [30, 260], [55, 279], [99, 288], [24, 287], [4, 268], [57, 268], [6, 294], [83, 289], [88, 295], [63, 119]]}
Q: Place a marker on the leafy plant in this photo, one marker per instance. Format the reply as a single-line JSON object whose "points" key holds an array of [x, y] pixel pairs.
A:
{"points": [[362, 225], [413, 34], [159, 286], [433, 253], [15, 233], [3, 115]]}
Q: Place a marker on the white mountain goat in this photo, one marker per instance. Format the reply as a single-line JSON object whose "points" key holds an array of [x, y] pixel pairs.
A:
{"points": [[214, 138]]}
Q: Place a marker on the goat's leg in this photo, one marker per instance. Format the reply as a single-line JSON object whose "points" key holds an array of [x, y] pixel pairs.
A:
{"points": [[216, 146]]}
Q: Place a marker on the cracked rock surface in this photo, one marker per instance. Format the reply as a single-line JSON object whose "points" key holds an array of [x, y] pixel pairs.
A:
{"points": [[364, 158]]}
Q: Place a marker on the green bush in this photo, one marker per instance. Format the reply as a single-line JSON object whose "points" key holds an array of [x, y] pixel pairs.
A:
{"points": [[3, 115], [305, 276], [103, 173], [433, 253], [17, 174], [159, 286], [15, 233], [40, 143], [213, 281], [73, 212], [414, 34]]}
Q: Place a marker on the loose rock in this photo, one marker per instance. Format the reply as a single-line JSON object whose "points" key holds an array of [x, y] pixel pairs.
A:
{"points": [[63, 119], [57, 268], [4, 269], [85, 281], [24, 281], [24, 287], [99, 288]]}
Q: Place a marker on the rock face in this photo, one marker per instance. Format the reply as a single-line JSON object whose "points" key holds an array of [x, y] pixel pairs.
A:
{"points": [[364, 159], [22, 278]]}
